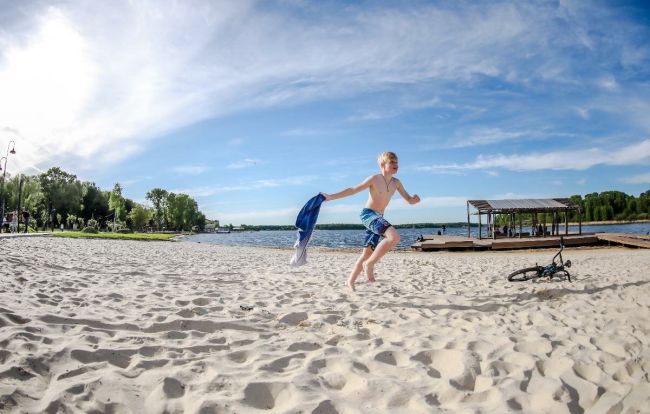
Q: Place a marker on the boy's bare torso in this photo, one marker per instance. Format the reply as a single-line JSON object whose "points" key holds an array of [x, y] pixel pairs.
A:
{"points": [[380, 192]]}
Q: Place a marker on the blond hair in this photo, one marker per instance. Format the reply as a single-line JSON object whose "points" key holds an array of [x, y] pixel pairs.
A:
{"points": [[385, 157]]}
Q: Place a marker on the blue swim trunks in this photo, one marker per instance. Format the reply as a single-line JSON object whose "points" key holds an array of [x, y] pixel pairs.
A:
{"points": [[375, 225]]}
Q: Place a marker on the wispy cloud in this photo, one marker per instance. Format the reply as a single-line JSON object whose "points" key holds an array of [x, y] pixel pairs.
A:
{"points": [[638, 179], [236, 142], [430, 202], [191, 169], [246, 162], [555, 160], [281, 215], [309, 132], [487, 136], [207, 191]]}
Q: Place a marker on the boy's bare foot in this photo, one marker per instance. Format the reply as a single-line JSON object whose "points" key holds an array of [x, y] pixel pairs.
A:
{"points": [[350, 284], [369, 268]]}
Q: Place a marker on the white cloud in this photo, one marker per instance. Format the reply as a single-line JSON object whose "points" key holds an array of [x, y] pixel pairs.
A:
{"points": [[556, 160]]}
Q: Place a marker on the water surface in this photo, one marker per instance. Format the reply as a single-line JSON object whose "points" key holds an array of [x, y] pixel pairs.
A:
{"points": [[355, 238]]}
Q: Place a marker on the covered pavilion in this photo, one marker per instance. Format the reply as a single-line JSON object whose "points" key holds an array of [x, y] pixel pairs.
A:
{"points": [[516, 209]]}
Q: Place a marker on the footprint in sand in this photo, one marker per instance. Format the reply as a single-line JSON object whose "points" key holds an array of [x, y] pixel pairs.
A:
{"points": [[264, 395], [173, 388]]}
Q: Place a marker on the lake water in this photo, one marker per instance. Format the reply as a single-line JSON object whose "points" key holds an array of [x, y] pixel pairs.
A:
{"points": [[355, 238]]}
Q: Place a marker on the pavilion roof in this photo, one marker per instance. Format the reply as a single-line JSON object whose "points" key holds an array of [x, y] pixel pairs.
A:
{"points": [[530, 204]]}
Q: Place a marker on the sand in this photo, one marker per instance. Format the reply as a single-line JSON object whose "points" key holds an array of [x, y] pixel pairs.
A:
{"points": [[161, 327]]}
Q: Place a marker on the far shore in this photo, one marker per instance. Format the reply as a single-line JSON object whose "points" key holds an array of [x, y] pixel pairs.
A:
{"points": [[607, 223]]}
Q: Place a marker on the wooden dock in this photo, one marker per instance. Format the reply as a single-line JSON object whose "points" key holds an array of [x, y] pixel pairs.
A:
{"points": [[626, 239], [434, 243]]}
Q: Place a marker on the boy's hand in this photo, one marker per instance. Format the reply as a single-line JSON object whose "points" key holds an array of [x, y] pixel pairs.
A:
{"points": [[327, 196], [415, 199]]}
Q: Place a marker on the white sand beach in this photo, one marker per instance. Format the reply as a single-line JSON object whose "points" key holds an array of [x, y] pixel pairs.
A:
{"points": [[160, 327]]}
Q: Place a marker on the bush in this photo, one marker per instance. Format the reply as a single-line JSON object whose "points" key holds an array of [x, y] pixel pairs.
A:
{"points": [[90, 230], [92, 223], [124, 231]]}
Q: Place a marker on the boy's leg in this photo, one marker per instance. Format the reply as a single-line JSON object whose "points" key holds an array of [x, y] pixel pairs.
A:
{"points": [[391, 238], [358, 266]]}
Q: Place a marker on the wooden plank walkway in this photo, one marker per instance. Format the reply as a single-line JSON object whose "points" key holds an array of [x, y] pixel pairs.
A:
{"points": [[433, 243], [625, 239]]}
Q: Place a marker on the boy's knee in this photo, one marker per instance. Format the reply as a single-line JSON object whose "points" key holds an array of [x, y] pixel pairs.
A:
{"points": [[392, 235]]}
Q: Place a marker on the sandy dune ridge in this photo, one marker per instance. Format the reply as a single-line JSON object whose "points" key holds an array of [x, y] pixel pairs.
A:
{"points": [[133, 327]]}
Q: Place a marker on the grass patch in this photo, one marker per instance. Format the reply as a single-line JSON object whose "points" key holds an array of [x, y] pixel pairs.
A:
{"points": [[117, 236]]}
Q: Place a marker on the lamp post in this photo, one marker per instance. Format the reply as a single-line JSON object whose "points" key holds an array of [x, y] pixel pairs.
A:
{"points": [[12, 145]]}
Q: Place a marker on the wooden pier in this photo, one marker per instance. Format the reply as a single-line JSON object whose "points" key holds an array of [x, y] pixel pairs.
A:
{"points": [[434, 243], [626, 239]]}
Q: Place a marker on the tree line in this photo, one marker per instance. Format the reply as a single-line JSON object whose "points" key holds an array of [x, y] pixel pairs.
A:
{"points": [[57, 197], [605, 206], [612, 205]]}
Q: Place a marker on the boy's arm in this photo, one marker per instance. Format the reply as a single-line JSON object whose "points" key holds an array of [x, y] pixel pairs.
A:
{"points": [[409, 199], [349, 191]]}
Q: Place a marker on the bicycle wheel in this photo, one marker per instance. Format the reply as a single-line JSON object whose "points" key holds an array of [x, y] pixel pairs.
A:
{"points": [[528, 273]]}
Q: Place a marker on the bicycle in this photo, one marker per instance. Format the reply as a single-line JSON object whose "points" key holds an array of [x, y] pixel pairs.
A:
{"points": [[549, 271]]}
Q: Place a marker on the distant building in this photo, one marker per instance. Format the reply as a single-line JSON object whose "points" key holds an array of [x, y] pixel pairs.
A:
{"points": [[209, 228]]}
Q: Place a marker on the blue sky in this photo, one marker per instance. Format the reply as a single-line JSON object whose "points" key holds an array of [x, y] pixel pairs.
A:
{"points": [[253, 107]]}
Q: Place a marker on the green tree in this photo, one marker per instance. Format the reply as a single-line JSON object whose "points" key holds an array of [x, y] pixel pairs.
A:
{"points": [[94, 202], [116, 202], [61, 192], [139, 215], [71, 221], [158, 198], [182, 211]]}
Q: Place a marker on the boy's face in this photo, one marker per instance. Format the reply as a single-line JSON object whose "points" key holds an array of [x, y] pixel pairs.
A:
{"points": [[390, 166]]}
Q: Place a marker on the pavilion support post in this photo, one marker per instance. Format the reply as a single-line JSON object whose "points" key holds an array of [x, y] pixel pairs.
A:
{"points": [[566, 222], [520, 225], [544, 225], [494, 226], [532, 223], [480, 229], [579, 220], [489, 223], [553, 223], [468, 226], [511, 216]]}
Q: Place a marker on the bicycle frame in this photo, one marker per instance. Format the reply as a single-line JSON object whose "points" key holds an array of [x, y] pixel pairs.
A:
{"points": [[557, 266]]}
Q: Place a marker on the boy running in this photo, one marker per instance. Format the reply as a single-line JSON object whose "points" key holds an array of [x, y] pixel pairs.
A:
{"points": [[381, 188]]}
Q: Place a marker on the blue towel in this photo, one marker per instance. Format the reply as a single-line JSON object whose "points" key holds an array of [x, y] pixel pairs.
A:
{"points": [[306, 221]]}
